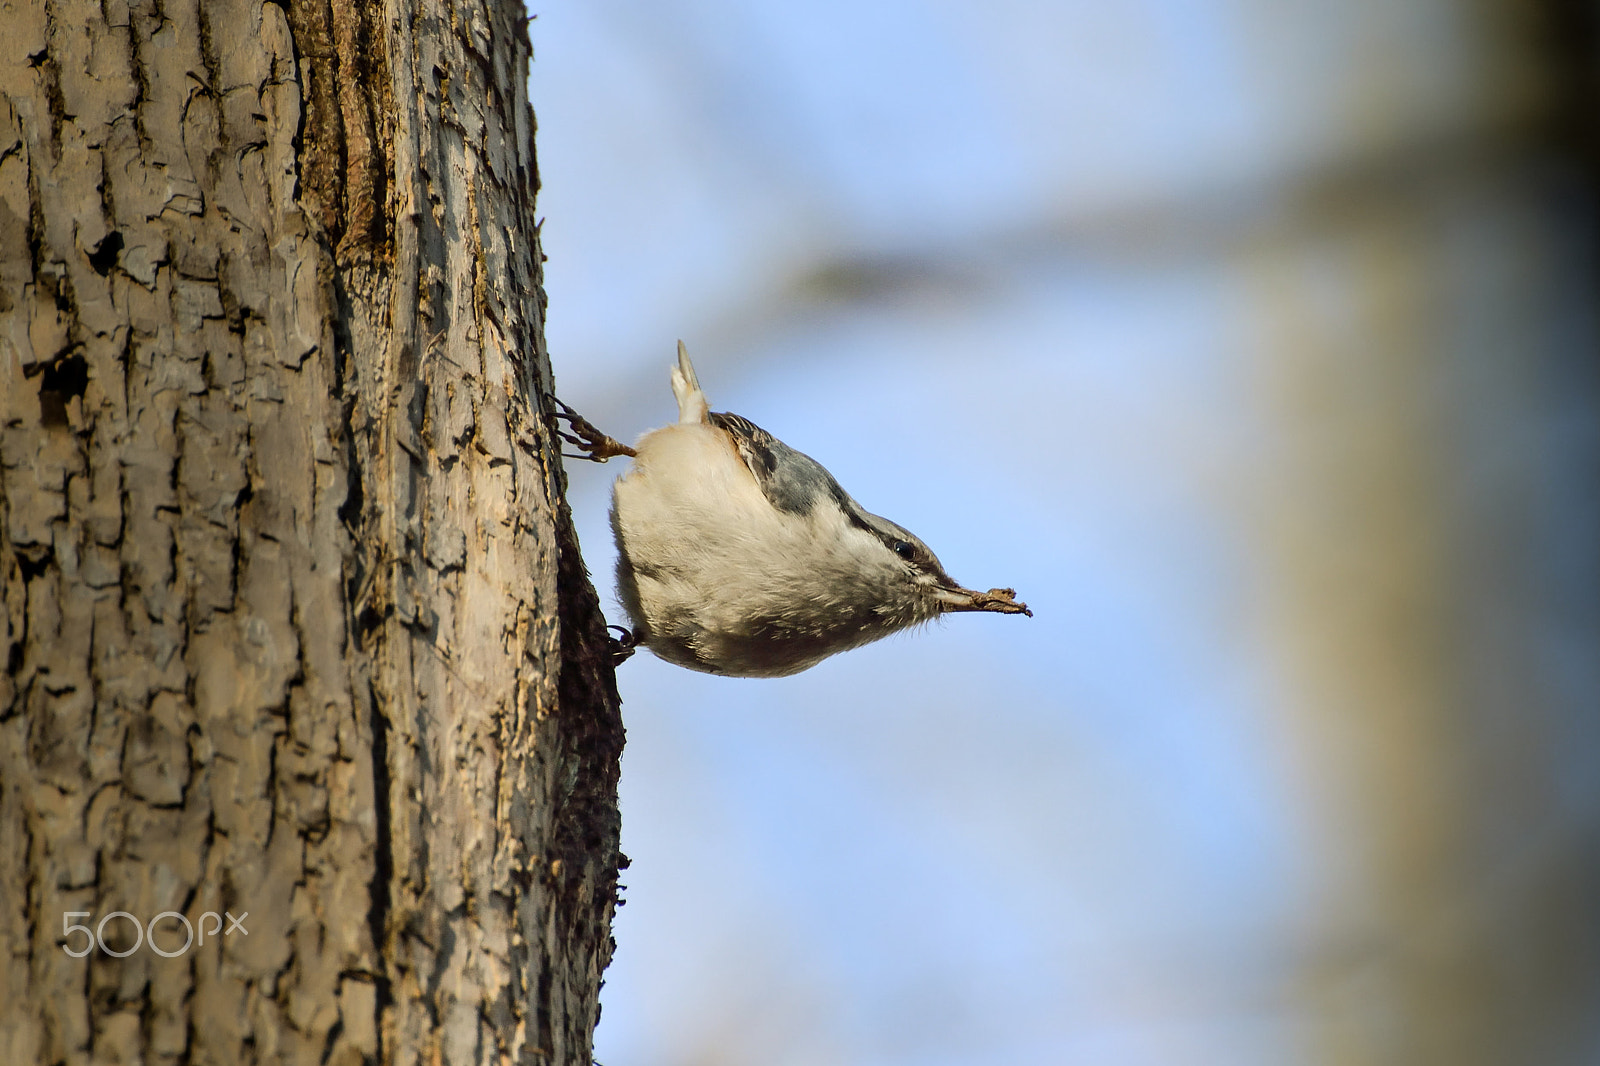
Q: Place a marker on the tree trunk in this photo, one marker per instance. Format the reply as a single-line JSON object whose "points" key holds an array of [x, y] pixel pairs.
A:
{"points": [[297, 640]]}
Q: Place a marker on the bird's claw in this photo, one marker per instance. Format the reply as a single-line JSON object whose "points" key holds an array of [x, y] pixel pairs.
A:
{"points": [[621, 647], [597, 446]]}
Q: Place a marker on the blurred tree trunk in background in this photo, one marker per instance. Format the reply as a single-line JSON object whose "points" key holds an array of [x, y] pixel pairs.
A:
{"points": [[295, 627], [1410, 557]]}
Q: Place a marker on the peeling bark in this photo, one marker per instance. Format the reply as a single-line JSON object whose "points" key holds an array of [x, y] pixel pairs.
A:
{"points": [[294, 623]]}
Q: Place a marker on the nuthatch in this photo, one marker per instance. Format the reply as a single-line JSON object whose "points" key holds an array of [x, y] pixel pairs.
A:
{"points": [[738, 555]]}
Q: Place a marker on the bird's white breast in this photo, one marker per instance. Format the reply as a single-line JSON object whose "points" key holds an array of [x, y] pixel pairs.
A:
{"points": [[714, 577]]}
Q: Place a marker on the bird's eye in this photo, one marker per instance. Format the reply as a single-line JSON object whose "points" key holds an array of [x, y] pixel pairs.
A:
{"points": [[903, 549]]}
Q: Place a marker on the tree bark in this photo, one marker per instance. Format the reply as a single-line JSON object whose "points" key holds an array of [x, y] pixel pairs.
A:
{"points": [[294, 624]]}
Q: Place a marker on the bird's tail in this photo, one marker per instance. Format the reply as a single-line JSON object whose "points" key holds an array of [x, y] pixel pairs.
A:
{"points": [[692, 404]]}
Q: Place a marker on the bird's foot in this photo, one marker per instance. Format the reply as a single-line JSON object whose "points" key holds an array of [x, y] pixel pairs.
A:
{"points": [[621, 647], [597, 447]]}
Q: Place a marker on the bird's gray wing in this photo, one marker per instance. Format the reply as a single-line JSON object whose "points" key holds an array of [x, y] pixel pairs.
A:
{"points": [[792, 481]]}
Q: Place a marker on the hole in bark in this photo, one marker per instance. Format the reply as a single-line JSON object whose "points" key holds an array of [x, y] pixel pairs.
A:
{"points": [[369, 619], [34, 560], [14, 660], [63, 379], [68, 375], [104, 256], [354, 501]]}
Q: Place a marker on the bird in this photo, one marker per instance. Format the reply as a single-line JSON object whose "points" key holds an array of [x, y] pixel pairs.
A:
{"points": [[739, 556]]}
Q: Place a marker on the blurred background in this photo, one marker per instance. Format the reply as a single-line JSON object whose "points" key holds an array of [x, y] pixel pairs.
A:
{"points": [[1255, 345]]}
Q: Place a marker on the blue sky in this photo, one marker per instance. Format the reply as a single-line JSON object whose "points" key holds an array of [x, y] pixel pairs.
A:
{"points": [[1019, 277]]}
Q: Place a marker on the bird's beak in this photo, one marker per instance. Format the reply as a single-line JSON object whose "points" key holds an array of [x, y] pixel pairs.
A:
{"points": [[1000, 601]]}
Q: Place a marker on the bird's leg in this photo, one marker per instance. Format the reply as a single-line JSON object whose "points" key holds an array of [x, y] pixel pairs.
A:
{"points": [[596, 446], [621, 647]]}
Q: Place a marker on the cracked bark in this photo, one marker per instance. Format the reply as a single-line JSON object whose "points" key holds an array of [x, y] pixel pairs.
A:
{"points": [[294, 622]]}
